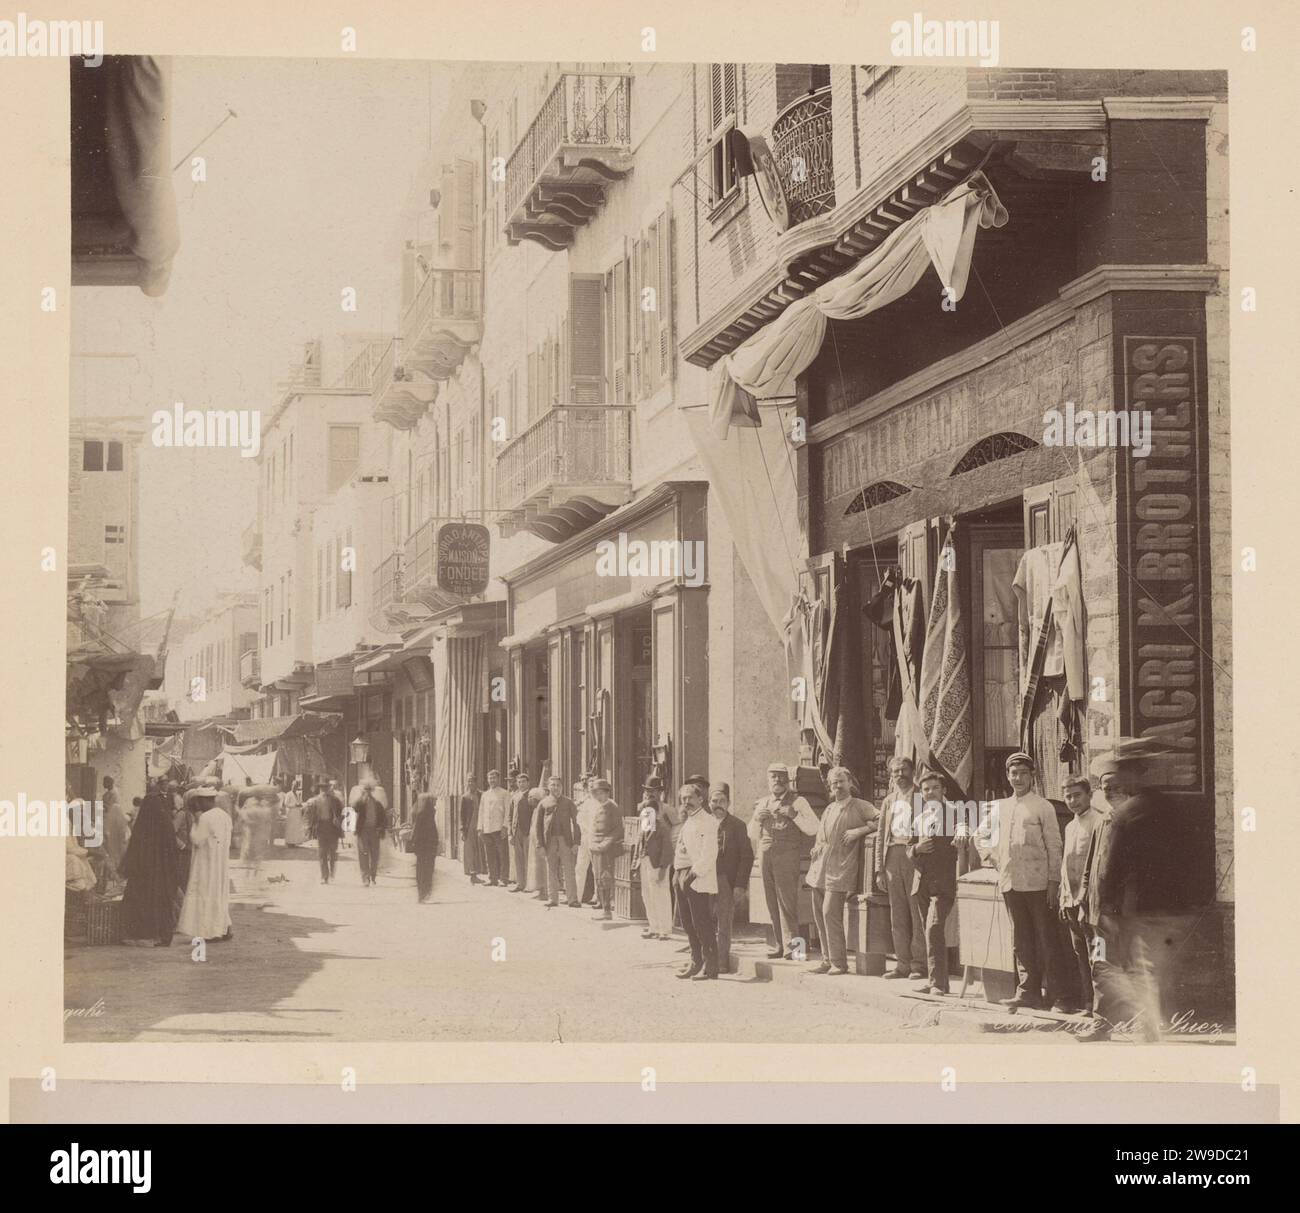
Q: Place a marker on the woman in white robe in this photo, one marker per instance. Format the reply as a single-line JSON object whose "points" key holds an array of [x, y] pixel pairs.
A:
{"points": [[206, 912]]}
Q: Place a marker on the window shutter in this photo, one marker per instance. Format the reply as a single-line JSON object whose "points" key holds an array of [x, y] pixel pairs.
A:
{"points": [[618, 334], [667, 362], [918, 553], [1050, 511], [715, 94], [634, 320], [465, 216], [345, 575], [587, 361], [728, 89]]}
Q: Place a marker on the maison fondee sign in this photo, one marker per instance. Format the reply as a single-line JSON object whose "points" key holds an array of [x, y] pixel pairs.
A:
{"points": [[1167, 690], [463, 558]]}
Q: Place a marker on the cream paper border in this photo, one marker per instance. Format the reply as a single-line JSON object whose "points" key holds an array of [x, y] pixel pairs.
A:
{"points": [[34, 253]]}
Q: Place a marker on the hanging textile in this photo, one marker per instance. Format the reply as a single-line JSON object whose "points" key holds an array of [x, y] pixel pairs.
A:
{"points": [[461, 683], [901, 598], [945, 695], [1033, 582], [769, 362], [239, 769]]}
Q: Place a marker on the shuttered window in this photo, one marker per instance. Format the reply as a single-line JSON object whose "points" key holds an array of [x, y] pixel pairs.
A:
{"points": [[466, 220], [722, 112], [586, 339], [616, 334], [346, 560]]}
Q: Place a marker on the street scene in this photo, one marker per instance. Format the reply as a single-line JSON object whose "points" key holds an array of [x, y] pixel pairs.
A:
{"points": [[648, 551]]}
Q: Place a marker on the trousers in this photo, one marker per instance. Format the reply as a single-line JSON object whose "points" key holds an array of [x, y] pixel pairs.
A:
{"points": [[725, 908], [368, 854], [1081, 946], [828, 914], [537, 854], [905, 922], [424, 876], [497, 854], [328, 847], [1135, 970], [700, 923], [780, 869], [602, 867], [933, 909], [656, 892], [559, 860], [582, 869], [519, 847], [1031, 931]]}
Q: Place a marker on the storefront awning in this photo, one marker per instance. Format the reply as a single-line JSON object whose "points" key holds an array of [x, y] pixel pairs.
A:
{"points": [[276, 728], [633, 598]]}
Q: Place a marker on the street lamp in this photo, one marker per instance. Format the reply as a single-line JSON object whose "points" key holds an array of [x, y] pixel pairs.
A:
{"points": [[360, 749]]}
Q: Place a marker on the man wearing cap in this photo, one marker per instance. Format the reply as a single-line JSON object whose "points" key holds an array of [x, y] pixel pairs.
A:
{"points": [[894, 869], [493, 811], [605, 845], [518, 825], [1136, 896], [1074, 859], [783, 824], [934, 879], [555, 827], [735, 862], [652, 853], [1020, 838]]}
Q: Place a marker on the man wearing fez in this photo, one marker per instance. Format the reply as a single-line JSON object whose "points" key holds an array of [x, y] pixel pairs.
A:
{"points": [[934, 880], [1020, 838], [782, 825]]}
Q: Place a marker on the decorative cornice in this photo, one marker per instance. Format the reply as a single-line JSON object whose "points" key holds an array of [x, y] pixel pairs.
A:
{"points": [[1103, 280], [1126, 109], [1037, 115]]}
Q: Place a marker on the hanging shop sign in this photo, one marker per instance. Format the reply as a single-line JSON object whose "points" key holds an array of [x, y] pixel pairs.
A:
{"points": [[463, 551]]}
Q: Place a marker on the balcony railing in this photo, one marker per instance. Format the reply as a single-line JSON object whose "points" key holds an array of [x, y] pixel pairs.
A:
{"points": [[443, 321], [420, 557], [361, 370], [386, 587], [802, 147], [567, 470], [398, 395], [250, 668], [579, 141]]}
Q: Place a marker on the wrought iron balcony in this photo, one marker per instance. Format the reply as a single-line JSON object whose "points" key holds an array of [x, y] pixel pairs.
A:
{"points": [[386, 587], [566, 471], [802, 148], [250, 668], [398, 395], [443, 322], [578, 143], [420, 570]]}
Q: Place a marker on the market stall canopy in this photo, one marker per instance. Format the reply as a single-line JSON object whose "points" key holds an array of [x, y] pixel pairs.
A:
{"points": [[281, 728]]}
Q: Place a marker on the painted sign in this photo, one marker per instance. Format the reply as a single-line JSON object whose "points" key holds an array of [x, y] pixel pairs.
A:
{"points": [[1167, 691], [463, 549]]}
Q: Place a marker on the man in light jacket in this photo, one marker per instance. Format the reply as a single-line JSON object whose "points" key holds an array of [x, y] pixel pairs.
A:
{"points": [[605, 844], [1020, 838], [695, 871]]}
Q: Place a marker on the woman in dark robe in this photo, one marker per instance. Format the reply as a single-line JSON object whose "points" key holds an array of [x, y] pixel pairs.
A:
{"points": [[149, 903], [472, 856], [424, 843]]}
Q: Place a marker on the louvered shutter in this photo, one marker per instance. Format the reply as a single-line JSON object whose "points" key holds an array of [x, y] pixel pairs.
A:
{"points": [[618, 334], [667, 361], [586, 344], [634, 321], [466, 206]]}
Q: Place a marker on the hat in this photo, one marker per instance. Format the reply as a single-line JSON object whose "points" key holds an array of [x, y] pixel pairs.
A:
{"points": [[1129, 752], [601, 785], [778, 768], [535, 795], [1020, 757], [653, 784]]}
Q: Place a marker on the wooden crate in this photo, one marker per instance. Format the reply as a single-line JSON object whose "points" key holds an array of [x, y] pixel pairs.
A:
{"points": [[104, 921], [627, 898], [75, 915]]}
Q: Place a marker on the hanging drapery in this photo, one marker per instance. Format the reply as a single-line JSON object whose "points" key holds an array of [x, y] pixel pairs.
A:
{"points": [[945, 695], [460, 681], [942, 235]]}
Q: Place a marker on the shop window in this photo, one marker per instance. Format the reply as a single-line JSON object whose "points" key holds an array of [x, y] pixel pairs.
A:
{"points": [[991, 449], [114, 457], [92, 456]]}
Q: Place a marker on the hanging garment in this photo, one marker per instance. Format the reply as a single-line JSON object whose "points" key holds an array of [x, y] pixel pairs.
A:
{"points": [[945, 696], [1033, 582]]}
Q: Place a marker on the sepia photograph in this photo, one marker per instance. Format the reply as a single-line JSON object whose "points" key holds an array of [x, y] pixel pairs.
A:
{"points": [[723, 552]]}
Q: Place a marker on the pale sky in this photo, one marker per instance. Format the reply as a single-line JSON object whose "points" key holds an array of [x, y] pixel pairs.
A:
{"points": [[304, 196]]}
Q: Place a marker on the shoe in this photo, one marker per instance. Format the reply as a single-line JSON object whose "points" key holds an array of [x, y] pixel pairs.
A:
{"points": [[323, 880], [689, 971], [1014, 1004], [607, 915], [917, 974], [836, 971], [649, 935], [575, 905], [924, 988], [896, 974], [824, 967], [940, 990], [774, 953], [705, 976], [1065, 1008], [1098, 1031]]}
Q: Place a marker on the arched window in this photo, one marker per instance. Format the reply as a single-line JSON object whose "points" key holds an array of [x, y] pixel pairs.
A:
{"points": [[876, 494], [991, 449]]}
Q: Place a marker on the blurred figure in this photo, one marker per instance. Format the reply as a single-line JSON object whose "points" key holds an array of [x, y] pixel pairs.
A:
{"points": [[424, 843], [325, 824], [371, 807]]}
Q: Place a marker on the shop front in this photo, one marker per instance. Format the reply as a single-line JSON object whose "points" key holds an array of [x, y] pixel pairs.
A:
{"points": [[607, 648]]}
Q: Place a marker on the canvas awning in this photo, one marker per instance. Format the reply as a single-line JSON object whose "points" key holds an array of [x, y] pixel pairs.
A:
{"points": [[278, 728], [238, 768]]}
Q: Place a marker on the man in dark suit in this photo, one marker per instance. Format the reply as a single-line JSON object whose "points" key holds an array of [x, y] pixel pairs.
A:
{"points": [[934, 880], [735, 861], [555, 827], [326, 820]]}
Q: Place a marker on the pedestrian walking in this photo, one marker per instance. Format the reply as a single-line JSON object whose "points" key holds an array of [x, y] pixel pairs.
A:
{"points": [[934, 880], [783, 822], [325, 824], [1021, 839], [371, 808], [652, 857], [833, 869], [493, 811], [695, 872], [605, 845], [894, 870], [558, 836], [149, 902], [735, 862], [206, 911], [424, 843]]}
